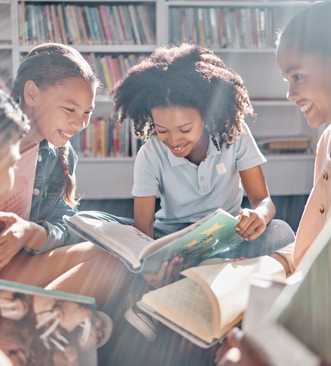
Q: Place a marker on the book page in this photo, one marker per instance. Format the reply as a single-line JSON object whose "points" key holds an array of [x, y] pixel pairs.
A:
{"points": [[185, 304], [125, 240], [230, 284]]}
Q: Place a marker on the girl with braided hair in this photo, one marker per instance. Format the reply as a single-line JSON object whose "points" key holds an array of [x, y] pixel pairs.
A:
{"points": [[190, 108], [56, 88]]}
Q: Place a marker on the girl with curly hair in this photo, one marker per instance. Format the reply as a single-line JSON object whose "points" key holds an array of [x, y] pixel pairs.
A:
{"points": [[199, 154]]}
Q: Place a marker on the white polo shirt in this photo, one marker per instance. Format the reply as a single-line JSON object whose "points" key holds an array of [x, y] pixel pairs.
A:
{"points": [[188, 191]]}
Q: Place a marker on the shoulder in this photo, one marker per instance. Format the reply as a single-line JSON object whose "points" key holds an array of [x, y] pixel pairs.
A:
{"points": [[153, 149], [324, 143], [245, 137]]}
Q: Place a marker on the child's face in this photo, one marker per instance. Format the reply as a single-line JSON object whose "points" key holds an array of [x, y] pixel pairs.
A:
{"points": [[309, 84], [9, 155], [179, 128], [60, 111]]}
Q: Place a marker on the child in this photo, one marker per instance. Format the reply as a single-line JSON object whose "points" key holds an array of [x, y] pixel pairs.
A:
{"points": [[190, 108], [13, 126], [304, 57], [56, 89], [199, 153]]}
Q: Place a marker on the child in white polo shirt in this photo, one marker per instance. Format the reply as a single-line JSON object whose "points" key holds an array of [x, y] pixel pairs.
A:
{"points": [[199, 154]]}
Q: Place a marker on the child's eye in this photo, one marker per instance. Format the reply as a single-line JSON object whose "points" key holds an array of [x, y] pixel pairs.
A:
{"points": [[69, 110], [297, 77], [185, 130], [160, 131]]}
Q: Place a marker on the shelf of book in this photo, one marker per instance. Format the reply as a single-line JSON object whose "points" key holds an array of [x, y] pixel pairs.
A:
{"points": [[126, 49], [102, 178], [252, 56]]}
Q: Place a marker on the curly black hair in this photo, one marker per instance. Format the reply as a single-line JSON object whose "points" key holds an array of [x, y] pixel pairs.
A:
{"points": [[187, 76]]}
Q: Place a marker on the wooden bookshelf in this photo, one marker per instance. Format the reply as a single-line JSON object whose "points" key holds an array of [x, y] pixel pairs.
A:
{"points": [[111, 177]]}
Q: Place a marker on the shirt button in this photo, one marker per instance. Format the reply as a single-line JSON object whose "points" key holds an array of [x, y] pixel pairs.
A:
{"points": [[40, 158], [325, 176], [36, 192], [322, 210]]}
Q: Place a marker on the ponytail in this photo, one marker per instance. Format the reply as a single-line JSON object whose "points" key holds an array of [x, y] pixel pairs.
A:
{"points": [[70, 181]]}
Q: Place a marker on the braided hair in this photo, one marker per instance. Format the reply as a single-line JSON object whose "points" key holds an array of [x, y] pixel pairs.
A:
{"points": [[46, 65], [187, 76]]}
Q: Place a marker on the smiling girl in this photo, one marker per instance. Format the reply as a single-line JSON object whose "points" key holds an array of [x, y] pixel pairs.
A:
{"points": [[199, 153], [56, 89]]}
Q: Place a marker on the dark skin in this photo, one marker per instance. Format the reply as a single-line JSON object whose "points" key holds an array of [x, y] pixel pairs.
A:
{"points": [[181, 129]]}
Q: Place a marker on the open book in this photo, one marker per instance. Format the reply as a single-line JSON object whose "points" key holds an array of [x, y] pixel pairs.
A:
{"points": [[44, 327], [210, 300], [209, 236]]}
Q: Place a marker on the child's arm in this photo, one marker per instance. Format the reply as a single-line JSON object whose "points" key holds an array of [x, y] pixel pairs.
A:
{"points": [[143, 211], [253, 221]]}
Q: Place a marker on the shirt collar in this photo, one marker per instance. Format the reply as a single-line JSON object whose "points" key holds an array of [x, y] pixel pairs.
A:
{"points": [[175, 161], [47, 146]]}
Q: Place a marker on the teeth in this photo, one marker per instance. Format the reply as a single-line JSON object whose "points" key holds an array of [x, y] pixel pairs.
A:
{"points": [[305, 108], [66, 134]]}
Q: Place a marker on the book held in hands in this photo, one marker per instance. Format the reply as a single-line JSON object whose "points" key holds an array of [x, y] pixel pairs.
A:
{"points": [[212, 235]]}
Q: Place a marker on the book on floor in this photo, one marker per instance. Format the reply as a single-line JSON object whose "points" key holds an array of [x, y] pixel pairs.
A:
{"points": [[209, 236], [211, 298]]}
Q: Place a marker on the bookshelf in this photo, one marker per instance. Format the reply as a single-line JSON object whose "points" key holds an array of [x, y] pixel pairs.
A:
{"points": [[247, 46]]}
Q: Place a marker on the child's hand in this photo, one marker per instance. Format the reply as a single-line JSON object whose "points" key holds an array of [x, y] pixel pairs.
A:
{"points": [[17, 233], [251, 224], [169, 272], [240, 351]]}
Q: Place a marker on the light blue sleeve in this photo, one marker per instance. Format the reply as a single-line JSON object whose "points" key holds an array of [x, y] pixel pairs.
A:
{"points": [[248, 154], [146, 176]]}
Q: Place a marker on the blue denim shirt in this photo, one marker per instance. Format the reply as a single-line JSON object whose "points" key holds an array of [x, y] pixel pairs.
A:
{"points": [[48, 206]]}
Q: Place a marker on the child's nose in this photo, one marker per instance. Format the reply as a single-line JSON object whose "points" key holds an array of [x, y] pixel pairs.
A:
{"points": [[292, 94]]}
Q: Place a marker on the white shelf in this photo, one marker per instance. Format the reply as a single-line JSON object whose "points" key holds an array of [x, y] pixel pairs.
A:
{"points": [[112, 178], [104, 178], [6, 47], [272, 103], [289, 174], [103, 160], [237, 4], [244, 50]]}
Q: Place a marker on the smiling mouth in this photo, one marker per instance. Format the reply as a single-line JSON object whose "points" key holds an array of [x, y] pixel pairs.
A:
{"points": [[178, 149], [306, 108], [65, 134]]}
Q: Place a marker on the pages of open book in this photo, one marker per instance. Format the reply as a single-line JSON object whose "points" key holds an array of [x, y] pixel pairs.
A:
{"points": [[185, 305], [228, 285]]}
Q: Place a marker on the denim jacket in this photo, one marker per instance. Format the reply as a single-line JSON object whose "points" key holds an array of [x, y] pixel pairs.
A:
{"points": [[48, 206]]}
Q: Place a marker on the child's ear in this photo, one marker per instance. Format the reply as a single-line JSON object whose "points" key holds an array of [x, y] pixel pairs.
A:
{"points": [[31, 93]]}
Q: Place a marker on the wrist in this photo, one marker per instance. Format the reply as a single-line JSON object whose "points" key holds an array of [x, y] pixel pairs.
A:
{"points": [[38, 236]]}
